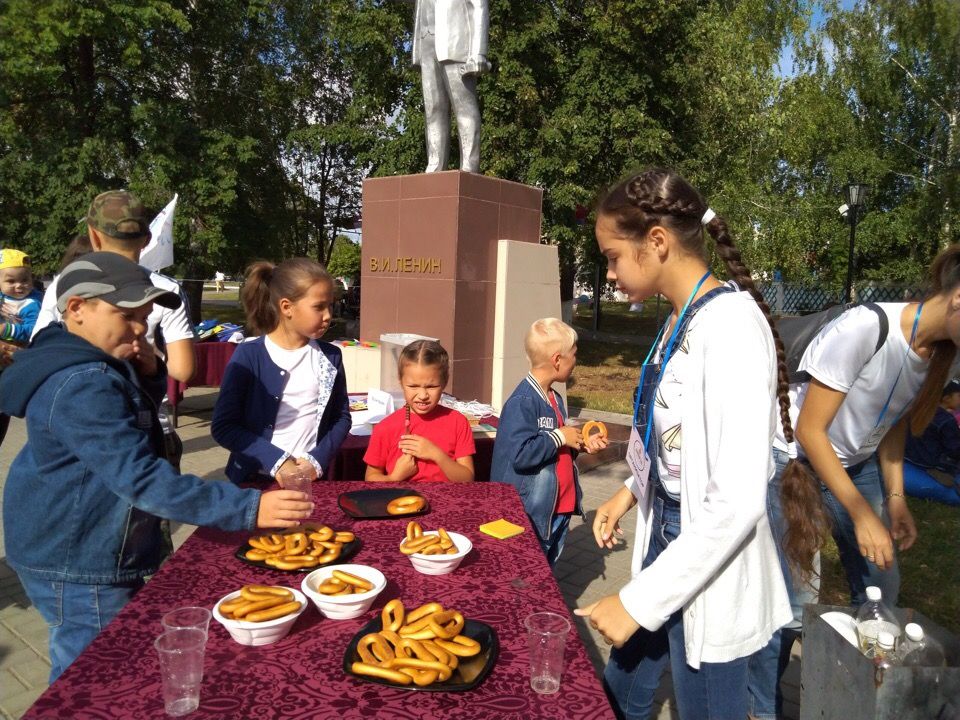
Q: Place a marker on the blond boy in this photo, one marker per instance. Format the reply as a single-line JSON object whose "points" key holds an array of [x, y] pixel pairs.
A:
{"points": [[535, 448]]}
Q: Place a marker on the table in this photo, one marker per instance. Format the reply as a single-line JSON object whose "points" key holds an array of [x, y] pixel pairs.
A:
{"points": [[301, 676], [212, 359], [348, 463]]}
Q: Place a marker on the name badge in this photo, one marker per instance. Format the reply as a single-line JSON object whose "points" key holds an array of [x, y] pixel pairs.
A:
{"points": [[639, 462]]}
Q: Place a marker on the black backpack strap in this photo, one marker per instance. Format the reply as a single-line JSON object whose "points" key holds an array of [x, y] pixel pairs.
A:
{"points": [[884, 324], [802, 376]]}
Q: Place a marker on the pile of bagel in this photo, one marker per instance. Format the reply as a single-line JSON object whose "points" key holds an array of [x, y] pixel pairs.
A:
{"points": [[421, 647], [302, 548]]}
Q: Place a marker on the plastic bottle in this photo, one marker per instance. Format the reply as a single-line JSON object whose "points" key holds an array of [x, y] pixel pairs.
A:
{"points": [[873, 618], [884, 656], [917, 650]]}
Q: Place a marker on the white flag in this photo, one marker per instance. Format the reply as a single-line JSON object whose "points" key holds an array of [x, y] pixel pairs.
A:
{"points": [[158, 253]]}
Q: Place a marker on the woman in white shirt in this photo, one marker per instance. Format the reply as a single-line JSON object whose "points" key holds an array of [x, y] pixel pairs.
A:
{"points": [[706, 589], [852, 419]]}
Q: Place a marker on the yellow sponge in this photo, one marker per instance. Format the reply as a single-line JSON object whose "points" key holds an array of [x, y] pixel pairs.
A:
{"points": [[501, 529]]}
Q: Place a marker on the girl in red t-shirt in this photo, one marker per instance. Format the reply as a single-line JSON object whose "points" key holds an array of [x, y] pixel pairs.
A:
{"points": [[422, 440]]}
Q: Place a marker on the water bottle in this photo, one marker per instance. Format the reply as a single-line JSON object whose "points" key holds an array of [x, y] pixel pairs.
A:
{"points": [[873, 618], [884, 656], [917, 650]]}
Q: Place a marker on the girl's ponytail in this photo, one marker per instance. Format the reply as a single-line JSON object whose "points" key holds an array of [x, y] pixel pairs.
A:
{"points": [[807, 525], [255, 296]]}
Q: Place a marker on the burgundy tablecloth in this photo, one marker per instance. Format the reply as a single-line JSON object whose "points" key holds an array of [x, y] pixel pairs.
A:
{"points": [[499, 583], [348, 462]]}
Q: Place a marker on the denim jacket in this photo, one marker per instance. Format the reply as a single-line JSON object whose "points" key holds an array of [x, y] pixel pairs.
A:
{"points": [[525, 453], [84, 497], [247, 407]]}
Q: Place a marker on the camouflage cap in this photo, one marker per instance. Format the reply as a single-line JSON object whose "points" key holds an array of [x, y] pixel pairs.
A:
{"points": [[119, 214]]}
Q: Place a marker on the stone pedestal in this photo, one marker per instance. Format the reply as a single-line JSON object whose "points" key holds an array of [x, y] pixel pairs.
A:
{"points": [[429, 262]]}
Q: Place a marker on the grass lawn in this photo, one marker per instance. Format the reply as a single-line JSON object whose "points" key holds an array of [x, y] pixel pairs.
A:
{"points": [[606, 374]]}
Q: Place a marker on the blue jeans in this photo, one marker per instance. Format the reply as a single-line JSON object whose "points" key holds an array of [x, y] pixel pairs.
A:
{"points": [[717, 691], [768, 664], [918, 483], [558, 534], [860, 572], [75, 614]]}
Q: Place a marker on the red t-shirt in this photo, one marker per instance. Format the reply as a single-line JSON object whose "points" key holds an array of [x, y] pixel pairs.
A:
{"points": [[567, 494], [447, 429]]}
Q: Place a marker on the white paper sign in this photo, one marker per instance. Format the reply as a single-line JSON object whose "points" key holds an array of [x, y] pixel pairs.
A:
{"points": [[639, 463], [379, 403]]}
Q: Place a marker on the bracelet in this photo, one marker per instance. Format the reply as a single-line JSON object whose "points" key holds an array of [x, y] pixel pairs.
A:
{"points": [[896, 494]]}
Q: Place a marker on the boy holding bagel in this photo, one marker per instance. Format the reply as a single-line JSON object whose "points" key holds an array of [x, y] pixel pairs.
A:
{"points": [[84, 497], [535, 448]]}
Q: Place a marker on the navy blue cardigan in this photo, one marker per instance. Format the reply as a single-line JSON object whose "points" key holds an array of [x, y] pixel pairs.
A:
{"points": [[246, 411]]}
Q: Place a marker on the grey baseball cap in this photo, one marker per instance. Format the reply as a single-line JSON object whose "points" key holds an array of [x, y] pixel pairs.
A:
{"points": [[112, 278]]}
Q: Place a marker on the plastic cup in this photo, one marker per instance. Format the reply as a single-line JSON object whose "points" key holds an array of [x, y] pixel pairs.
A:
{"points": [[297, 480], [187, 617], [547, 637], [181, 669]]}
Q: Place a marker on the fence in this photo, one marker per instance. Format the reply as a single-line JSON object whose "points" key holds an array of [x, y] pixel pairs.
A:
{"points": [[799, 299]]}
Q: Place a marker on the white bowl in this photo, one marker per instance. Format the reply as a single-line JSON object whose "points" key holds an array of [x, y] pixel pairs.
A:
{"points": [[259, 633], [343, 607], [442, 564]]}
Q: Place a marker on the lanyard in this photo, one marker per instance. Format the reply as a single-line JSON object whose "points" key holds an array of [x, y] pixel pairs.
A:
{"points": [[913, 336], [666, 358]]}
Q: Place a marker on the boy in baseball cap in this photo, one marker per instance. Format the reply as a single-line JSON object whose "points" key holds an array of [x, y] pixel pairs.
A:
{"points": [[19, 300], [83, 500]]}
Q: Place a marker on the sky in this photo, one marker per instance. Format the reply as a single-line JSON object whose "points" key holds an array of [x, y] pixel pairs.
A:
{"points": [[785, 63]]}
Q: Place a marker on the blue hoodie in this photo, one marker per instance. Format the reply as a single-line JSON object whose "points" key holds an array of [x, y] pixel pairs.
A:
{"points": [[84, 497]]}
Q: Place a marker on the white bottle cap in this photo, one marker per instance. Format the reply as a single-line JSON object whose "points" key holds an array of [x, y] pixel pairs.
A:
{"points": [[885, 639], [914, 632], [873, 593]]}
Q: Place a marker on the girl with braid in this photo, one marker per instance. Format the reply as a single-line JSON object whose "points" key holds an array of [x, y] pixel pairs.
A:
{"points": [[706, 590], [851, 417]]}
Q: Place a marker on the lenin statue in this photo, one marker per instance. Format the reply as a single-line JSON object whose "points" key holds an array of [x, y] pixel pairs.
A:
{"points": [[450, 47]]}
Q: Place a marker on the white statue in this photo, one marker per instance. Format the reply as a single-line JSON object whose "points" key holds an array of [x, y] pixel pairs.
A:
{"points": [[450, 47]]}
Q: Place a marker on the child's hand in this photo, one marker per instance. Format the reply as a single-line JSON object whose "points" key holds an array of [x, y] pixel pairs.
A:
{"points": [[571, 436], [420, 447], [283, 508], [406, 467], [287, 469], [305, 467], [595, 443], [141, 355]]}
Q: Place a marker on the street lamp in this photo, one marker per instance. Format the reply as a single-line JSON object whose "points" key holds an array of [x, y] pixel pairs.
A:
{"points": [[856, 197]]}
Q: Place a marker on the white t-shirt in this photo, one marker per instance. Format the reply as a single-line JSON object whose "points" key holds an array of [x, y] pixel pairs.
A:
{"points": [[174, 324], [666, 413], [295, 429], [841, 357]]}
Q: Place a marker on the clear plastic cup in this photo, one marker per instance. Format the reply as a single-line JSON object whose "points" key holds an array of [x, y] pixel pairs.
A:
{"points": [[181, 669], [547, 637], [297, 480], [187, 617]]}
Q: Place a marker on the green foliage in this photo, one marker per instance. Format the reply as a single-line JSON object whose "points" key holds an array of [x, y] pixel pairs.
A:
{"points": [[345, 258]]}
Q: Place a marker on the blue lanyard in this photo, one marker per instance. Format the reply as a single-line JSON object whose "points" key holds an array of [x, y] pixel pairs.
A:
{"points": [[668, 352], [913, 336]]}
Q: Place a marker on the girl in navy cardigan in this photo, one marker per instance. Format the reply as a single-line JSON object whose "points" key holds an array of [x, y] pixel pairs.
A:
{"points": [[283, 409]]}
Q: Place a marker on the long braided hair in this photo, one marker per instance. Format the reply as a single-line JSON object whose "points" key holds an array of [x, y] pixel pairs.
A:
{"points": [[662, 197]]}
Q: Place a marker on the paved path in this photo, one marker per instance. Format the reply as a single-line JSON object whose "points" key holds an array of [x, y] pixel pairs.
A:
{"points": [[585, 573]]}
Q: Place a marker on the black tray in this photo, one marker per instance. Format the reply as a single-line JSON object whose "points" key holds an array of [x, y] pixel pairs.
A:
{"points": [[348, 551], [372, 504], [477, 667]]}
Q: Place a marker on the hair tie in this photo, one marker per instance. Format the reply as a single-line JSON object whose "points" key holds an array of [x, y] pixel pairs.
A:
{"points": [[707, 217], [792, 450]]}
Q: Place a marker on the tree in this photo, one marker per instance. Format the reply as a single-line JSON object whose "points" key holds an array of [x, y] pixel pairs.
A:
{"points": [[345, 258]]}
